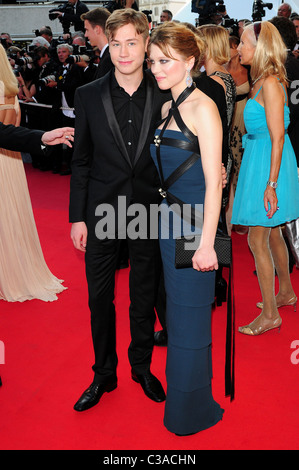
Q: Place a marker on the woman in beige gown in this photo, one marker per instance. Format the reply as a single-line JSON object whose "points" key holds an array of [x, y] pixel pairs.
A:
{"points": [[24, 274]]}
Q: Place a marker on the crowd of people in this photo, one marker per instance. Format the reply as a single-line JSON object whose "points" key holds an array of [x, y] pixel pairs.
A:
{"points": [[203, 95]]}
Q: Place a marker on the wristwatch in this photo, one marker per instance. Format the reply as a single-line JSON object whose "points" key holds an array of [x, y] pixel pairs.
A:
{"points": [[273, 184]]}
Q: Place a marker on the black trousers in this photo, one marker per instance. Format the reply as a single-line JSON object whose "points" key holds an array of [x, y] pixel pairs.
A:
{"points": [[145, 270]]}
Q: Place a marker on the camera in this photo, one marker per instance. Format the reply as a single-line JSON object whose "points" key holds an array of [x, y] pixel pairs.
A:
{"points": [[148, 14], [80, 54], [44, 81], [231, 25], [73, 59], [63, 8], [206, 8], [24, 60], [258, 9]]}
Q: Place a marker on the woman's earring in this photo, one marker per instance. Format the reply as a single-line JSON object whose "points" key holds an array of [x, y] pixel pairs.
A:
{"points": [[189, 80]]}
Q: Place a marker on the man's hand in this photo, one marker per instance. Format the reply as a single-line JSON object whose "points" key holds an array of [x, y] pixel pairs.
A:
{"points": [[79, 235], [62, 135]]}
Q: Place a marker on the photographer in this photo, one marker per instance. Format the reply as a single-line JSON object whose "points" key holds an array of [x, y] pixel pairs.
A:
{"points": [[68, 79], [70, 13], [120, 4], [39, 117]]}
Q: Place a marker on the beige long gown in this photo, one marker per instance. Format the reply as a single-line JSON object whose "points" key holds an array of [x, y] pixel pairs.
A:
{"points": [[24, 274]]}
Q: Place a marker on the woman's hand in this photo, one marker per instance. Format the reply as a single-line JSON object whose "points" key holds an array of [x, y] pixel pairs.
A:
{"points": [[270, 201], [205, 259]]}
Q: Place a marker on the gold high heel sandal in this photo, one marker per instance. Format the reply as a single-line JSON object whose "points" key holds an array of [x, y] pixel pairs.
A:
{"points": [[258, 327], [292, 302]]}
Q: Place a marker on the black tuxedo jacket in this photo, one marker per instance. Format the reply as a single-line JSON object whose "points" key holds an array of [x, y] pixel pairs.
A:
{"points": [[93, 72], [101, 166], [68, 83], [20, 139], [105, 64]]}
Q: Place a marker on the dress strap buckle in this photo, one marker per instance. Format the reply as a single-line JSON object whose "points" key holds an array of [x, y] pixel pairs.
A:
{"points": [[157, 140], [163, 192]]}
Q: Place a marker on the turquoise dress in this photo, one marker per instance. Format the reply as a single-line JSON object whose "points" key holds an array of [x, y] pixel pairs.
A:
{"points": [[190, 406], [248, 208]]}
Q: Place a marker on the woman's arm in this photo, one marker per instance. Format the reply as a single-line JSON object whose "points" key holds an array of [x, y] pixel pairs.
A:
{"points": [[273, 101], [209, 131]]}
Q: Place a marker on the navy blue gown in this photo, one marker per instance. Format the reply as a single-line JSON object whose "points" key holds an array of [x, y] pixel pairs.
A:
{"points": [[190, 406]]}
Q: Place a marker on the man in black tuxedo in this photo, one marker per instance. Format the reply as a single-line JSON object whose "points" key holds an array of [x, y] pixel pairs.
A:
{"points": [[115, 123], [94, 25]]}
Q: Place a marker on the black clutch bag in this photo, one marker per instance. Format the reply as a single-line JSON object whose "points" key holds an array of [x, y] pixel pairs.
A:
{"points": [[184, 250]]}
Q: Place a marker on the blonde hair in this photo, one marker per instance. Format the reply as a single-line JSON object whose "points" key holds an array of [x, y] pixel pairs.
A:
{"points": [[180, 38], [126, 16], [216, 39], [9, 81], [270, 52]]}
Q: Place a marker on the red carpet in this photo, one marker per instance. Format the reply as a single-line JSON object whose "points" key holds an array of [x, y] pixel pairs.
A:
{"points": [[48, 358]]}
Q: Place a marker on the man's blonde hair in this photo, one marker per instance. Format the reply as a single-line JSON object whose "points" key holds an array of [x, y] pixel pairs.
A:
{"points": [[126, 16]]}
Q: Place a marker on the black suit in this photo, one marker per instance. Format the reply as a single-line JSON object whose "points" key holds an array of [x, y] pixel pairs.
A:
{"points": [[94, 72], [20, 139], [105, 64], [101, 171]]}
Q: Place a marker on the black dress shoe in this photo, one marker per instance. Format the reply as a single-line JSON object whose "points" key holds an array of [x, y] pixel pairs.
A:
{"points": [[92, 395], [150, 385], [160, 338]]}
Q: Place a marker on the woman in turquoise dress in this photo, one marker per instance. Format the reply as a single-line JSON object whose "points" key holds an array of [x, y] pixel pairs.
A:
{"points": [[193, 126], [267, 193]]}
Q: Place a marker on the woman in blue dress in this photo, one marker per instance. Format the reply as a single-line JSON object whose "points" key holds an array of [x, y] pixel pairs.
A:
{"points": [[193, 127], [267, 193]]}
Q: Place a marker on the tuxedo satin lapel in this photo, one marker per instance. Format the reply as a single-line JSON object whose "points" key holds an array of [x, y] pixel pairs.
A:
{"points": [[147, 117], [112, 121]]}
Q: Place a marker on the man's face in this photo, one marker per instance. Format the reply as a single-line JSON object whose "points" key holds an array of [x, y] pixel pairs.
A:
{"points": [[283, 10], [296, 23], [43, 60], [63, 54], [91, 33], [127, 50], [163, 17]]}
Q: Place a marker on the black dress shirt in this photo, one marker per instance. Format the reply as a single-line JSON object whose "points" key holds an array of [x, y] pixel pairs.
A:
{"points": [[129, 113]]}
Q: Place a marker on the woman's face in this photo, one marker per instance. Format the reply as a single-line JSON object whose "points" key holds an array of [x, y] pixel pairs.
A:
{"points": [[234, 52], [169, 72], [246, 49]]}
